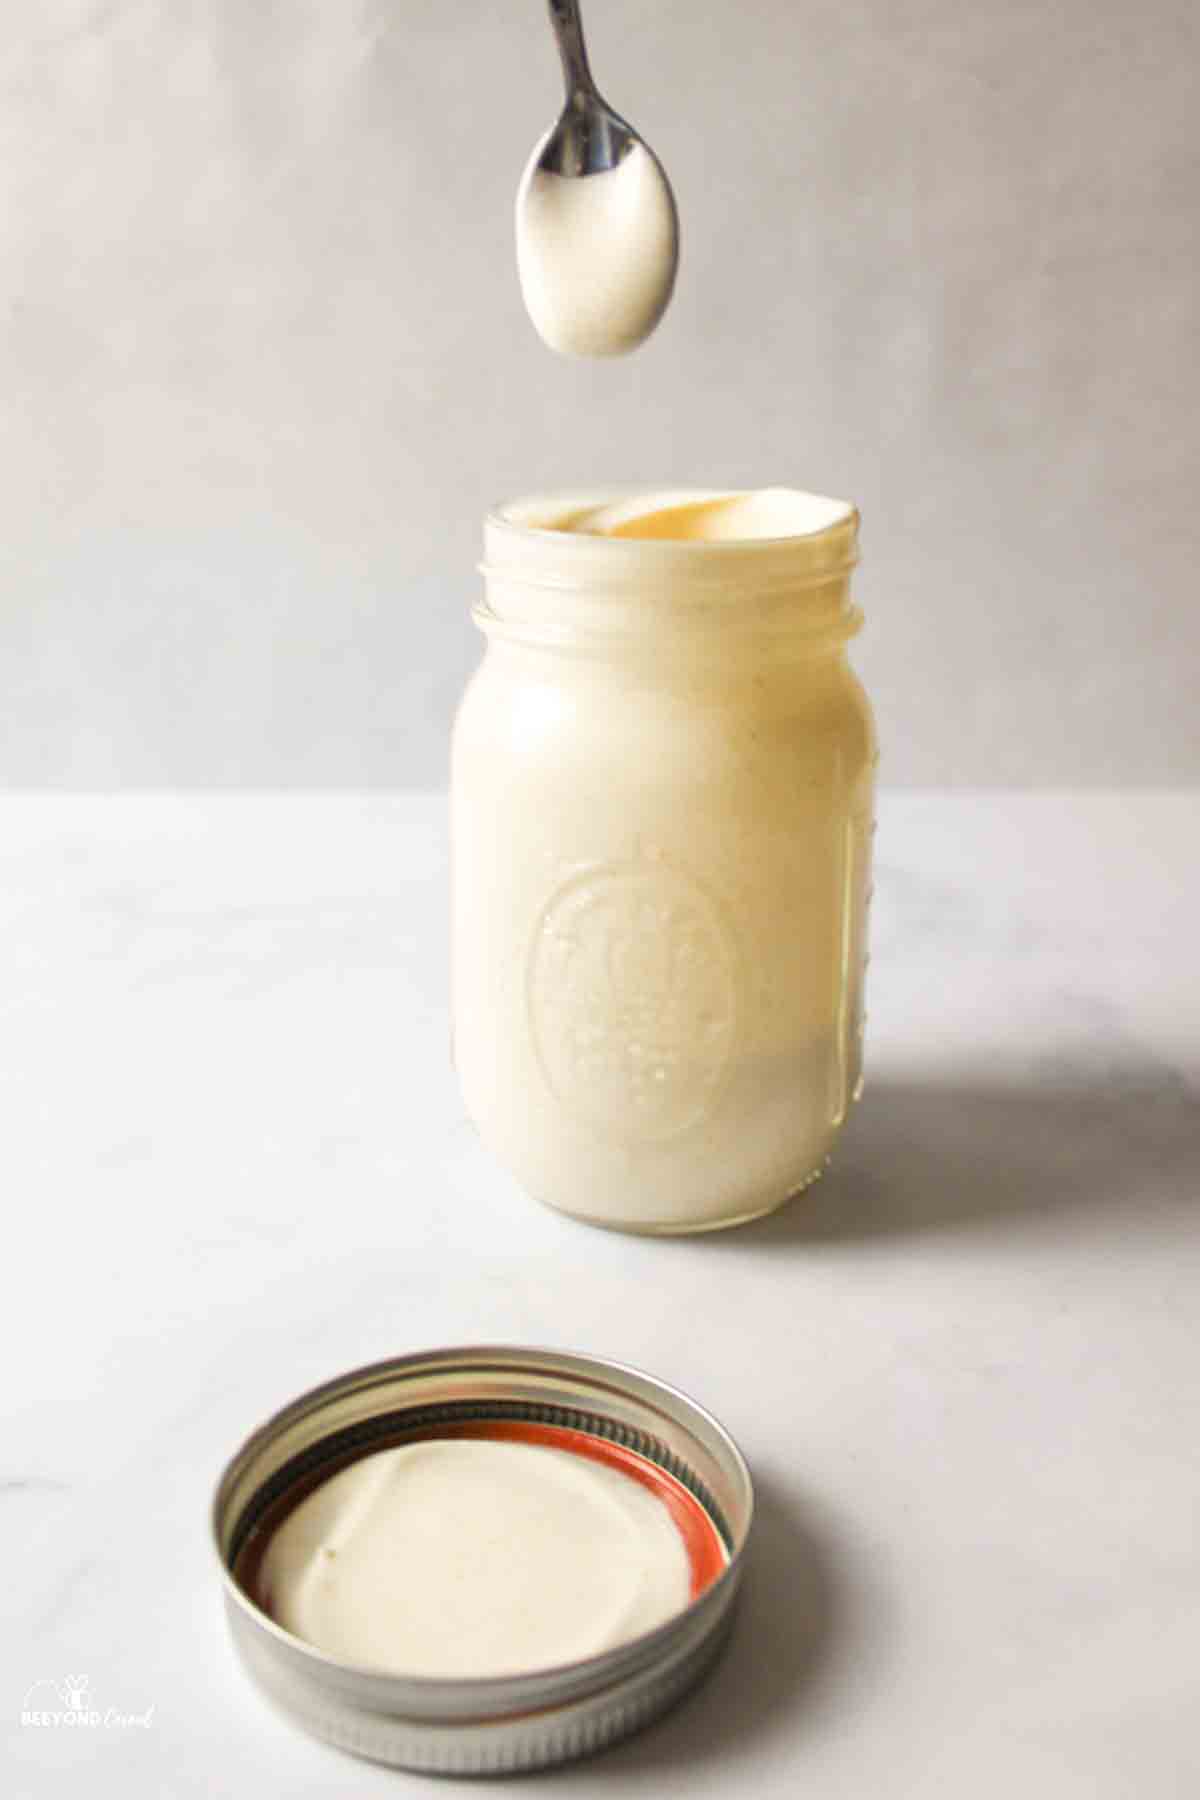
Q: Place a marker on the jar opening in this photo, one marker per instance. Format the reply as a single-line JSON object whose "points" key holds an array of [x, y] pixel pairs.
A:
{"points": [[738, 517]]}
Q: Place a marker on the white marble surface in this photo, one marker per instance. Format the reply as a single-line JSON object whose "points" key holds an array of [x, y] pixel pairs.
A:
{"points": [[964, 1369]]}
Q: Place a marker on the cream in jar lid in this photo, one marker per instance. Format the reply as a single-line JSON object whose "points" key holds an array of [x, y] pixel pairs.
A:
{"points": [[501, 1549]]}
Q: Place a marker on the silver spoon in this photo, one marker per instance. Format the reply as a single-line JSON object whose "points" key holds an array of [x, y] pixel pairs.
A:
{"points": [[589, 137], [633, 271]]}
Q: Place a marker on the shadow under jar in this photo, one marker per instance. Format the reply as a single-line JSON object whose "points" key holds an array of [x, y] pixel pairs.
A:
{"points": [[661, 818]]}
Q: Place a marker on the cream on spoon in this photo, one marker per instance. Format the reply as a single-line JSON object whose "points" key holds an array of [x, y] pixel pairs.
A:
{"points": [[597, 226]]}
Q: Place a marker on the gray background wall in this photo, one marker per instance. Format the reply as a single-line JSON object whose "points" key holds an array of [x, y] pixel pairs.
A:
{"points": [[263, 363]]}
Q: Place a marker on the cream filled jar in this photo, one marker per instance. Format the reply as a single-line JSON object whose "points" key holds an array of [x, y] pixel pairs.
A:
{"points": [[661, 818]]}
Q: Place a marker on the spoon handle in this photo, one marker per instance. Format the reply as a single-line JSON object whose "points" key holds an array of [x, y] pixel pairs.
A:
{"points": [[568, 31]]}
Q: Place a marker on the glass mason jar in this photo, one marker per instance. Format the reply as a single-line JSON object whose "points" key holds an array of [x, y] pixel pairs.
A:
{"points": [[661, 833]]}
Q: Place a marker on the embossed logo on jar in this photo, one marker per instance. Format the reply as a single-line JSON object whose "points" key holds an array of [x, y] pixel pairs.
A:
{"points": [[633, 996]]}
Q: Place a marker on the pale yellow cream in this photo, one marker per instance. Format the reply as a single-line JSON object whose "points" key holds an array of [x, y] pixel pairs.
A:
{"points": [[468, 1557], [747, 518]]}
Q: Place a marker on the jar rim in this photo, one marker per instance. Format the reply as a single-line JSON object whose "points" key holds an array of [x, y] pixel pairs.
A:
{"points": [[549, 524], [575, 587]]}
